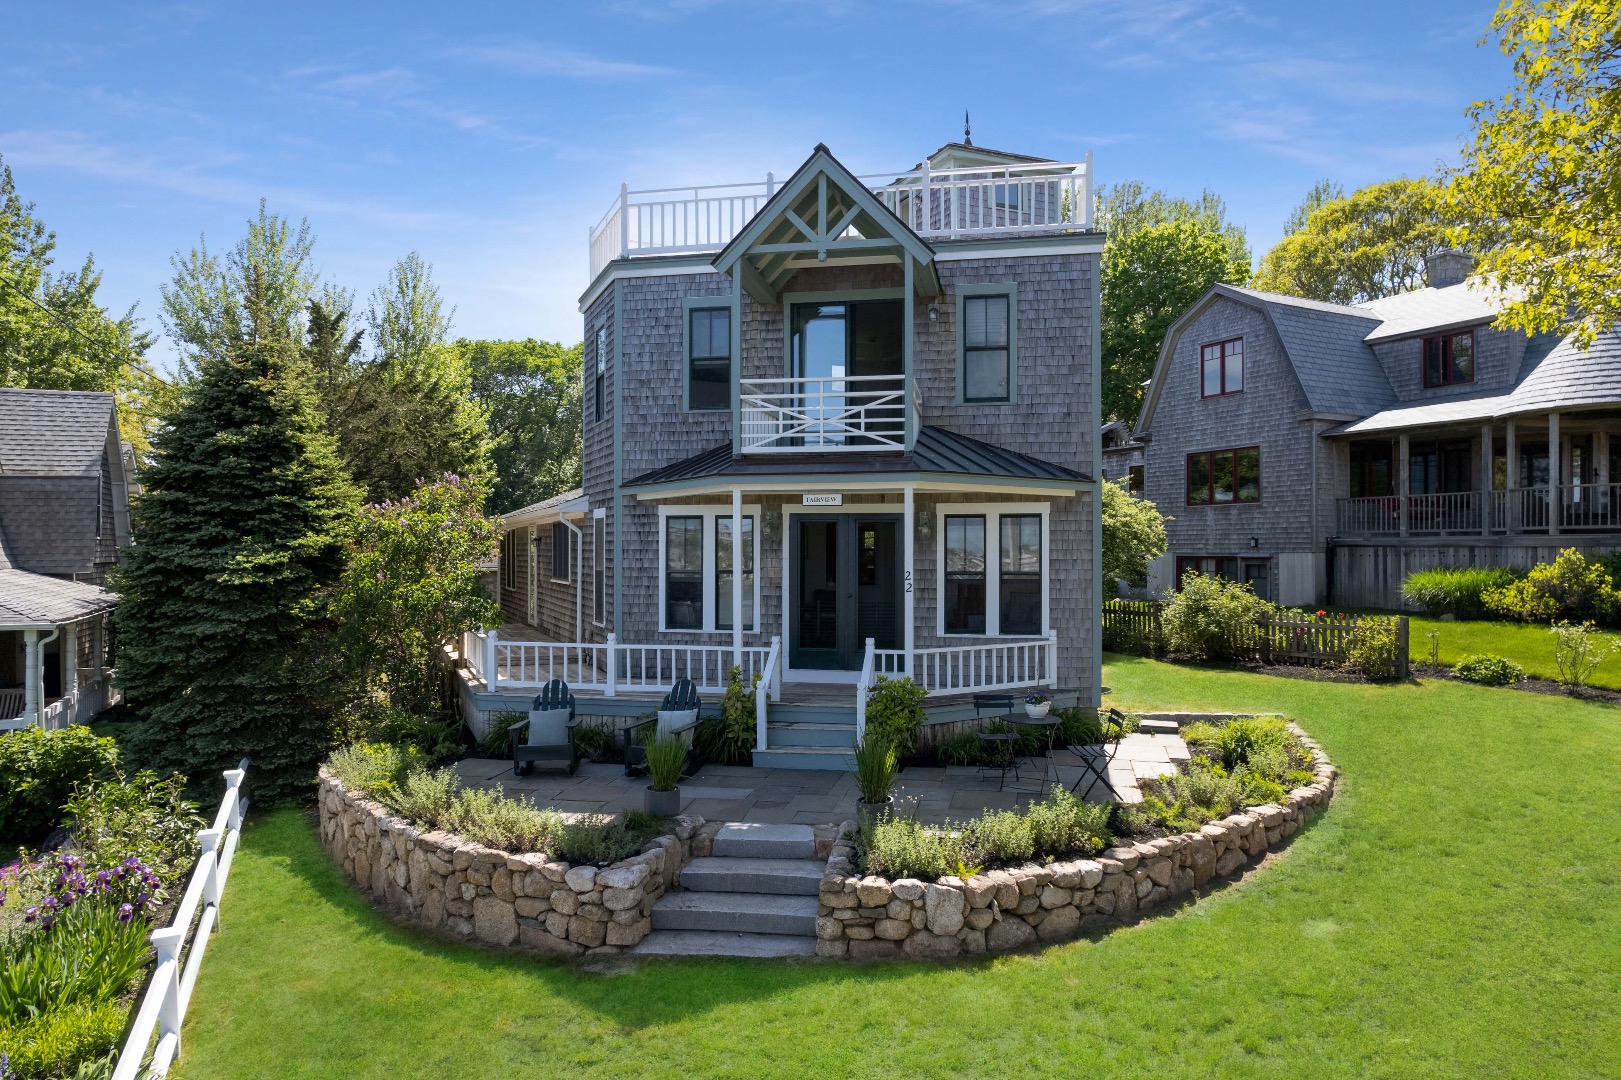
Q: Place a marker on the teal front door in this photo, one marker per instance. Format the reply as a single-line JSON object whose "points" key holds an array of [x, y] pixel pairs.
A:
{"points": [[844, 587]]}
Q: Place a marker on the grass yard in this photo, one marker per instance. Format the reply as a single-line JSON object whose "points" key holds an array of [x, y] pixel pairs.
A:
{"points": [[1527, 644], [1457, 912]]}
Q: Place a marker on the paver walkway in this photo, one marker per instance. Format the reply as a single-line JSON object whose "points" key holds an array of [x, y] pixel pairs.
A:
{"points": [[811, 797]]}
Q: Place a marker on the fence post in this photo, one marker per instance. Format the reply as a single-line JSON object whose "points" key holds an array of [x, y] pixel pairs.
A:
{"points": [[490, 640], [167, 942], [1266, 640], [1403, 646], [613, 643]]}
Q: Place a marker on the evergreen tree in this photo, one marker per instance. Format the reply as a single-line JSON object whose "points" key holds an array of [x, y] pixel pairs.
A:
{"points": [[239, 538]]}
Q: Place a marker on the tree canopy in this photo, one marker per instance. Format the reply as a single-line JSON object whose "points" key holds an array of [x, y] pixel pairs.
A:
{"points": [[531, 390], [1541, 176], [1367, 245], [1133, 535]]}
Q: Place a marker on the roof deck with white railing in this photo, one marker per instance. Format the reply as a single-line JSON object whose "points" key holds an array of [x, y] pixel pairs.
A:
{"points": [[970, 202]]}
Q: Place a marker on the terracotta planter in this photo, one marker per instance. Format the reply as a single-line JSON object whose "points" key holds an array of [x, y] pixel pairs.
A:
{"points": [[662, 803]]}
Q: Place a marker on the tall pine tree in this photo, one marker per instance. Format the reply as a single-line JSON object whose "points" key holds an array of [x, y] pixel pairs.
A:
{"points": [[239, 537]]}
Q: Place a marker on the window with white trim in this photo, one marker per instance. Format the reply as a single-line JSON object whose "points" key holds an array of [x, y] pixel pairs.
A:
{"points": [[697, 571], [1012, 601], [562, 552], [965, 574], [599, 569]]}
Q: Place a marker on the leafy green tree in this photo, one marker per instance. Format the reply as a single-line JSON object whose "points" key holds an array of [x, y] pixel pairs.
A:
{"points": [[1131, 206], [532, 391], [1321, 194], [410, 587], [1133, 535], [1539, 186], [1150, 277], [1368, 245], [239, 538]]}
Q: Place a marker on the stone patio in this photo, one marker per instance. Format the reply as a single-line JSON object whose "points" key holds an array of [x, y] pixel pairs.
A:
{"points": [[809, 797]]}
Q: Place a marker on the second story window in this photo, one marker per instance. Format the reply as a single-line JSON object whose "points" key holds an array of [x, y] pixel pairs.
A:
{"points": [[1222, 477], [709, 358], [1449, 359], [1221, 368], [987, 349], [600, 392]]}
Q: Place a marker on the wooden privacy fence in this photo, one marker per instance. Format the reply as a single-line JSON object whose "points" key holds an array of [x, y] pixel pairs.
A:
{"points": [[1287, 637]]}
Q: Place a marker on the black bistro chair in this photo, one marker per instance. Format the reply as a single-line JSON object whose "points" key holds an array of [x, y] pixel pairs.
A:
{"points": [[548, 733], [677, 715], [1096, 759], [999, 749]]}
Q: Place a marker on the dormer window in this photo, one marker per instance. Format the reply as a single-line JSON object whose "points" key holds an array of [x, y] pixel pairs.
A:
{"points": [[1222, 368], [1449, 359]]}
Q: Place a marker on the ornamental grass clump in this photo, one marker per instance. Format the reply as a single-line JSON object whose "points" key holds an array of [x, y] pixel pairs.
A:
{"points": [[1057, 827], [666, 760], [1458, 591]]}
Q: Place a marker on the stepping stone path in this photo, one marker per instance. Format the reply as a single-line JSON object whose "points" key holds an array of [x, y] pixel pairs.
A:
{"points": [[754, 896]]}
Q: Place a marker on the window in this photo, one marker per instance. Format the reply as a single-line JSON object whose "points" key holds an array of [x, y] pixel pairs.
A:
{"points": [[562, 544], [709, 358], [1020, 585], [1224, 476], [723, 572], [1449, 359], [600, 393], [1222, 368], [986, 374], [1135, 479], [1371, 471], [965, 574], [599, 569], [509, 559], [1256, 573], [684, 573], [1006, 196]]}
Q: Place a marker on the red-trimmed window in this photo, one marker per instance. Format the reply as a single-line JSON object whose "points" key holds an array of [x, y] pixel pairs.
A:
{"points": [[1222, 477], [1449, 359], [1221, 368]]}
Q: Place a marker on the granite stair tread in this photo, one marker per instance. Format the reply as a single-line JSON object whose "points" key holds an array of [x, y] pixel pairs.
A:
{"points": [[782, 877], [744, 913], [723, 943], [752, 840]]}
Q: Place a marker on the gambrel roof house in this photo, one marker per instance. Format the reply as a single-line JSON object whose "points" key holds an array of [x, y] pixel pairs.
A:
{"points": [[836, 427], [1322, 452], [64, 519]]}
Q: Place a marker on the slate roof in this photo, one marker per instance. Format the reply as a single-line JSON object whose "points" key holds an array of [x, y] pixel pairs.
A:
{"points": [[936, 451], [1325, 342], [36, 600], [53, 432], [1409, 313]]}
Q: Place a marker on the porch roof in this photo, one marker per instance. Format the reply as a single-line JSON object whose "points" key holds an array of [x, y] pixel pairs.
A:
{"points": [[34, 600], [937, 455], [567, 502]]}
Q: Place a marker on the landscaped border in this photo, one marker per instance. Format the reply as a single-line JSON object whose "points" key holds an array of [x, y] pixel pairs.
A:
{"points": [[871, 917]]}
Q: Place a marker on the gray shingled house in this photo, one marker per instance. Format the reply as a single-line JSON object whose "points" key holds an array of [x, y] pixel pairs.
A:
{"points": [[1323, 452], [885, 386], [64, 518]]}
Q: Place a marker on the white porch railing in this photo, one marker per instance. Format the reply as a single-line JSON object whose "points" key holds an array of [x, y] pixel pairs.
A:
{"points": [[607, 667], [769, 687], [163, 1008], [983, 666], [976, 200], [864, 683], [858, 412]]}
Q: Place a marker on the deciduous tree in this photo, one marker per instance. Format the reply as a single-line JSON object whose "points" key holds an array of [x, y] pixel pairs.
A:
{"points": [[1133, 535], [531, 390]]}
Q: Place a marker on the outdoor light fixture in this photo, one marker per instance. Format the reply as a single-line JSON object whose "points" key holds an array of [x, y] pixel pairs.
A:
{"points": [[925, 524], [934, 312], [1255, 542]]}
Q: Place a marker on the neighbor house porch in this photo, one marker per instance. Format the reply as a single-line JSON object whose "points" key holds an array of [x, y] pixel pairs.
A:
{"points": [[53, 649]]}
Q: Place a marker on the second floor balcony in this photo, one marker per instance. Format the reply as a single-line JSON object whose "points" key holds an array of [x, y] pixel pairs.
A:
{"points": [[856, 412]]}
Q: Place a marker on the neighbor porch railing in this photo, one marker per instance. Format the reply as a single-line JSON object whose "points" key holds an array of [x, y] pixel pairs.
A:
{"points": [[859, 412], [608, 667], [1579, 508]]}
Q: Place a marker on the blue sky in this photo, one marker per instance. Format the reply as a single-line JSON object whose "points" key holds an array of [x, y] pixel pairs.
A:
{"points": [[489, 137]]}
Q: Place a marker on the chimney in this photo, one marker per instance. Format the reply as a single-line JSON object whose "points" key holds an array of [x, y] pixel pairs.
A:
{"points": [[1447, 267]]}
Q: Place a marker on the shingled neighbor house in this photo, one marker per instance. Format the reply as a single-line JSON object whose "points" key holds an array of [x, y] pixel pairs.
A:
{"points": [[1323, 452], [64, 518], [887, 387]]}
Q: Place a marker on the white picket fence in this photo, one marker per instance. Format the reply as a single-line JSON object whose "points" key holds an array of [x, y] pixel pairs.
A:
{"points": [[163, 1007]]}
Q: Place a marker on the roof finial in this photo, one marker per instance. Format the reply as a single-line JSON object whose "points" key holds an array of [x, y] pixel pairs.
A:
{"points": [[967, 135]]}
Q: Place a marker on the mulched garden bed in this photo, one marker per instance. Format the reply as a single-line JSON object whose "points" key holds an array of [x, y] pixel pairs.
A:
{"points": [[1533, 686]]}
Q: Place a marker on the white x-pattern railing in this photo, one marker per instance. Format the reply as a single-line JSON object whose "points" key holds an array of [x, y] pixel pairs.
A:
{"points": [[850, 412]]}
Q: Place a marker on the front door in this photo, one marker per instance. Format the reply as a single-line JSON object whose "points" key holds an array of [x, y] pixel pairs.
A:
{"points": [[844, 587]]}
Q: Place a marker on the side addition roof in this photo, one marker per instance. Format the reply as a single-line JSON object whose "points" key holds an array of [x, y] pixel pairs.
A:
{"points": [[53, 432], [34, 600]]}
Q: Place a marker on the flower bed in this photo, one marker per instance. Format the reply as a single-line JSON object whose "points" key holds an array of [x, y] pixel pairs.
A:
{"points": [[864, 916]]}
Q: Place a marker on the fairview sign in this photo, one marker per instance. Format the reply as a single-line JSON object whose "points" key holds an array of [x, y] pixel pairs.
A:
{"points": [[822, 500]]}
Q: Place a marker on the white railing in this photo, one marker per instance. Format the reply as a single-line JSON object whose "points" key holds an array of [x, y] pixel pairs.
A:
{"points": [[163, 1008], [960, 669], [656, 667], [608, 667], [971, 201], [864, 684], [856, 412], [769, 687], [1580, 508]]}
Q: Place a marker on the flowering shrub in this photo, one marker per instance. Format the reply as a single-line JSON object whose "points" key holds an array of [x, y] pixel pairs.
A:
{"points": [[1211, 618], [1570, 587]]}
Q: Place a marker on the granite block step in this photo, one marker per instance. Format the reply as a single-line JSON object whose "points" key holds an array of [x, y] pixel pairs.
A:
{"points": [[825, 758], [779, 877], [739, 913], [751, 840], [721, 943], [1149, 726]]}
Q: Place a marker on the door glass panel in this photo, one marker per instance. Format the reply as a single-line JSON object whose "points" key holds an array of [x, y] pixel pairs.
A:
{"points": [[819, 349], [818, 585], [877, 602], [876, 337]]}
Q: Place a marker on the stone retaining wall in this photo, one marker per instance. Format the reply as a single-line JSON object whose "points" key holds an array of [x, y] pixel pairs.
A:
{"points": [[446, 883], [1003, 910]]}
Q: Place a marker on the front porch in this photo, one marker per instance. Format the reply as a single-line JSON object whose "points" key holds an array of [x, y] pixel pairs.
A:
{"points": [[53, 648]]}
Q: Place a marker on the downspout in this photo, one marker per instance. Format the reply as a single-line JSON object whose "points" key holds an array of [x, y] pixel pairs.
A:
{"points": [[579, 577], [38, 671]]}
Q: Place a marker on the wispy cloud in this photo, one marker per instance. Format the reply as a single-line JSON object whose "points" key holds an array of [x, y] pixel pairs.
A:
{"points": [[401, 91], [535, 58]]}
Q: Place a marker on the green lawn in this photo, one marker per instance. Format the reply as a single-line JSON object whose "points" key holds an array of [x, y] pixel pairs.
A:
{"points": [[1455, 913], [1527, 644]]}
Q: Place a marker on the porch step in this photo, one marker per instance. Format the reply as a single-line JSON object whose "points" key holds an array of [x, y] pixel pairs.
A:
{"points": [[1158, 727], [793, 712], [739, 913], [729, 874], [826, 758], [758, 840], [797, 734], [722, 943]]}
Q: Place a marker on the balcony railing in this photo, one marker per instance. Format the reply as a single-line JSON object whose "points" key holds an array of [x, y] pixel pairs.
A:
{"points": [[1578, 508], [855, 412], [935, 203]]}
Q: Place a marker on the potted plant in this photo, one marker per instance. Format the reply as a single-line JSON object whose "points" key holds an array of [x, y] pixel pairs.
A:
{"points": [[875, 777], [1037, 704], [666, 758]]}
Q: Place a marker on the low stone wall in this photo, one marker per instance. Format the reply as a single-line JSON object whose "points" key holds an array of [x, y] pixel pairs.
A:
{"points": [[445, 883], [1004, 910]]}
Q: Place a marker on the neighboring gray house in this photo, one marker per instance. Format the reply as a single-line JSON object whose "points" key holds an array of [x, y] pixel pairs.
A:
{"points": [[64, 520], [1322, 452], [888, 387], [1124, 456]]}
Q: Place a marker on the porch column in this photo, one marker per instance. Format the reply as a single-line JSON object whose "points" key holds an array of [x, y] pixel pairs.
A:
{"points": [[908, 527], [737, 576], [1556, 462], [1601, 474], [98, 659], [32, 691], [1511, 477], [1486, 479], [1402, 480], [70, 659]]}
